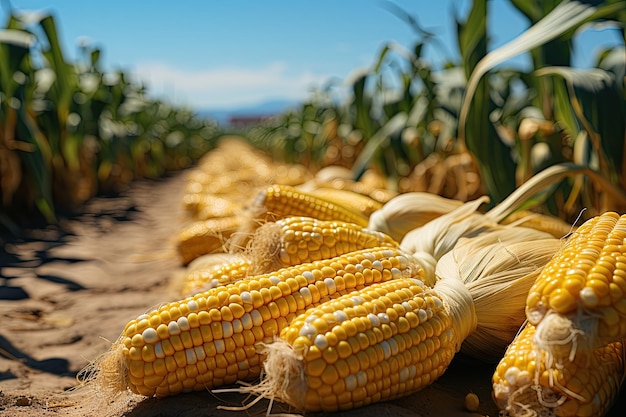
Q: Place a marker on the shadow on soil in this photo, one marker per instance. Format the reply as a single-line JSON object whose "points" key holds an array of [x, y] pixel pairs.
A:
{"points": [[57, 366]]}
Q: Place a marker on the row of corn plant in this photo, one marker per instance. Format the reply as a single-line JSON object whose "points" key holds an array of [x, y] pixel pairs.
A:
{"points": [[566, 115], [477, 125], [70, 130]]}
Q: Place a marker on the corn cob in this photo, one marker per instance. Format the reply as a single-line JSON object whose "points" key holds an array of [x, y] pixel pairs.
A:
{"points": [[578, 303], [287, 242], [211, 260], [209, 339], [525, 383], [295, 240], [340, 178], [349, 199], [278, 201], [379, 195], [206, 236], [382, 342], [198, 268]]}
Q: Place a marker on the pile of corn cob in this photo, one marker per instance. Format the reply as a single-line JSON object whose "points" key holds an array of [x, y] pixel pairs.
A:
{"points": [[347, 302], [218, 189], [217, 197]]}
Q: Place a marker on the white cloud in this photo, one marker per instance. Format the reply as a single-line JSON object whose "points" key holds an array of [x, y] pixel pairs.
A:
{"points": [[225, 87]]}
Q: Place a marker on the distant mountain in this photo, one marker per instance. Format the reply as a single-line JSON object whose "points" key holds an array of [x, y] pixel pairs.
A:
{"points": [[266, 108]]}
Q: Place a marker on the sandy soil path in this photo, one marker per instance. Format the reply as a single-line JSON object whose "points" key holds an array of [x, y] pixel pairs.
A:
{"points": [[67, 291]]}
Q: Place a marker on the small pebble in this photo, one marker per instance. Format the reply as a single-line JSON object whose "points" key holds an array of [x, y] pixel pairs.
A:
{"points": [[23, 401]]}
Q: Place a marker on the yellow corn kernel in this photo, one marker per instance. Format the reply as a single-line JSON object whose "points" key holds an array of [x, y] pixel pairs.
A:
{"points": [[577, 297], [214, 325], [528, 382]]}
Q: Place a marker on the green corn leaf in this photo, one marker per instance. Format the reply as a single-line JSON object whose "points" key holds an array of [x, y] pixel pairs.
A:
{"points": [[566, 17], [14, 48], [594, 103], [492, 155], [62, 69], [393, 125], [363, 107]]}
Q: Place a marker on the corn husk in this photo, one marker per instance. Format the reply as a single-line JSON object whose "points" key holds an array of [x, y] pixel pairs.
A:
{"points": [[437, 237], [498, 268], [409, 211]]}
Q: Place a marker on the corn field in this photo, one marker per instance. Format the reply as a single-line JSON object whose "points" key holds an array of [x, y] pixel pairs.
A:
{"points": [[70, 130], [476, 126], [342, 254]]}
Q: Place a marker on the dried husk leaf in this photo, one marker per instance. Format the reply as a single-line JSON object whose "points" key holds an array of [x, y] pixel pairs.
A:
{"points": [[408, 211], [498, 268]]}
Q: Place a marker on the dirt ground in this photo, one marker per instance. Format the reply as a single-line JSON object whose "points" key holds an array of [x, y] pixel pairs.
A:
{"points": [[67, 291]]}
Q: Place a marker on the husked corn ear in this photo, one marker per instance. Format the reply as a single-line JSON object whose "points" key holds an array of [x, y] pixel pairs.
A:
{"points": [[295, 240], [526, 384], [358, 202], [380, 194], [211, 260], [208, 340], [278, 201], [287, 242], [206, 236], [212, 276], [579, 299], [549, 224], [382, 342]]}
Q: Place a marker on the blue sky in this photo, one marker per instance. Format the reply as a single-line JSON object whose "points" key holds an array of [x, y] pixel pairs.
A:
{"points": [[226, 54]]}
